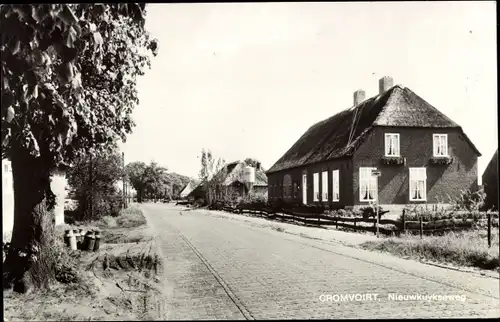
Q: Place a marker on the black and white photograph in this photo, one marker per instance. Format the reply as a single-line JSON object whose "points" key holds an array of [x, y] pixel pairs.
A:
{"points": [[249, 161]]}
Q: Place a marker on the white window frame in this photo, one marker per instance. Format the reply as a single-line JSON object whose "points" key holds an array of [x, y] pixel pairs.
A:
{"points": [[304, 188], [324, 186], [316, 186], [418, 178], [392, 139], [367, 179], [440, 141], [335, 185]]}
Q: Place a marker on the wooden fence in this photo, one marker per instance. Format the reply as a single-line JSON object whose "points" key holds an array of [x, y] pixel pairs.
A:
{"points": [[386, 226]]}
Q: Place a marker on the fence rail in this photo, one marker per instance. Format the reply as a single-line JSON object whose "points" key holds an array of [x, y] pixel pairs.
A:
{"points": [[386, 226]]}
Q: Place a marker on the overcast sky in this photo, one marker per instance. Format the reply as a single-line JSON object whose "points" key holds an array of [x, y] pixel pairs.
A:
{"points": [[247, 79]]}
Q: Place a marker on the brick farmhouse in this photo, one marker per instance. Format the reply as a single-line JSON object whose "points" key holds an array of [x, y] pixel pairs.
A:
{"points": [[421, 154]]}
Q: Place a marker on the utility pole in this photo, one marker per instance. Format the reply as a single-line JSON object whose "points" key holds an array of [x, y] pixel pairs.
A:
{"points": [[378, 217], [123, 179], [91, 188]]}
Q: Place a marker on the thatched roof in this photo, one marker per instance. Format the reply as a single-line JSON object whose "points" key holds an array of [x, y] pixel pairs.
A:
{"points": [[186, 190], [199, 192], [491, 170], [332, 138], [233, 172]]}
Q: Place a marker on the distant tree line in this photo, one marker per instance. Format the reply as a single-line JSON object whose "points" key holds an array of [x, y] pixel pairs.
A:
{"points": [[152, 181]]}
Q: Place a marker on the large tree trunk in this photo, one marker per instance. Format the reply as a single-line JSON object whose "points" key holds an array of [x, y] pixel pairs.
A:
{"points": [[139, 195], [32, 234]]}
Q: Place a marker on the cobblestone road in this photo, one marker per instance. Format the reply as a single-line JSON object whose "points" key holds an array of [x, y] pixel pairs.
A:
{"points": [[217, 268]]}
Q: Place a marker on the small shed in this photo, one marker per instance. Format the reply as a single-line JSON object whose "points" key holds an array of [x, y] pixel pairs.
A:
{"points": [[186, 190]]}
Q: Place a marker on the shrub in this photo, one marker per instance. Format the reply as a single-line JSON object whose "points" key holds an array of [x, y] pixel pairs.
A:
{"points": [[228, 197], [345, 213], [413, 213], [109, 221], [97, 206], [131, 217], [469, 200], [371, 211], [256, 197]]}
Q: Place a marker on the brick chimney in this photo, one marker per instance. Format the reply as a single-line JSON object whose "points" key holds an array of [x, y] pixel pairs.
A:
{"points": [[385, 83], [359, 96]]}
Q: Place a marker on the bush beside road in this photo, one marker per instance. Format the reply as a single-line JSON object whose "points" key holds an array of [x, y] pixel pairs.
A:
{"points": [[466, 248]]}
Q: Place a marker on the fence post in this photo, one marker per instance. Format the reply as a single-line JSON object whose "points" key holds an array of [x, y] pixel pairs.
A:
{"points": [[489, 230], [375, 227], [378, 220], [421, 227], [336, 223], [319, 220], [403, 220]]}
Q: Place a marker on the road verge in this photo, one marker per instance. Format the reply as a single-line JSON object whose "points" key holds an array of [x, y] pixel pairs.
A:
{"points": [[120, 281]]}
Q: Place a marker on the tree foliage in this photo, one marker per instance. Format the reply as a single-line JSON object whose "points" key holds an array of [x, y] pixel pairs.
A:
{"points": [[68, 87], [135, 175], [153, 181], [68, 76], [253, 163], [93, 181]]}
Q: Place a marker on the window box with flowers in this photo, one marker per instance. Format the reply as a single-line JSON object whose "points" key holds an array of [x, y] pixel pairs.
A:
{"points": [[445, 160], [392, 160]]}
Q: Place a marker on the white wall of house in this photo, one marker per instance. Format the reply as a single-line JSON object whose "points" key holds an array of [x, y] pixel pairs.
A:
{"points": [[58, 184], [7, 198]]}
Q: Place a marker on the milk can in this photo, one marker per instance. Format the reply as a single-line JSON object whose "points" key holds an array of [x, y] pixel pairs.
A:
{"points": [[76, 233], [71, 239], [78, 240], [90, 241], [97, 240], [81, 239], [66, 237]]}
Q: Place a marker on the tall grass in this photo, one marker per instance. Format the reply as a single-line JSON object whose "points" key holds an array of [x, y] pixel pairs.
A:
{"points": [[131, 217], [128, 218], [466, 248]]}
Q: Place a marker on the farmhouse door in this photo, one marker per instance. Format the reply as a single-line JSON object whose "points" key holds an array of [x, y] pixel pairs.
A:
{"points": [[304, 189]]}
